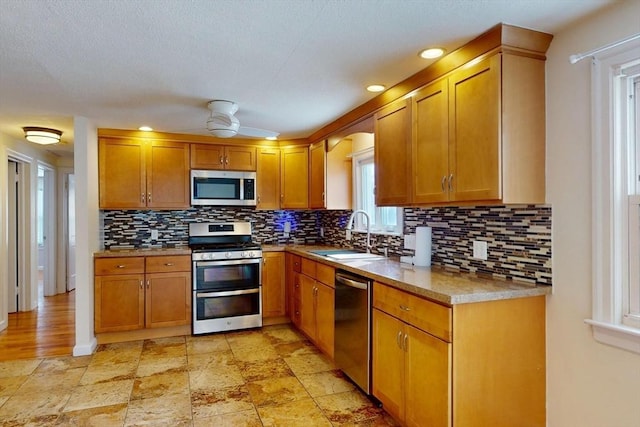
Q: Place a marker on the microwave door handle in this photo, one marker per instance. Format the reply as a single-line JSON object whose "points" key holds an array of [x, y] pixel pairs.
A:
{"points": [[226, 294], [241, 188]]}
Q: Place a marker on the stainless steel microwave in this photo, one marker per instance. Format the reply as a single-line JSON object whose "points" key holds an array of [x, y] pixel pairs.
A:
{"points": [[223, 188]]}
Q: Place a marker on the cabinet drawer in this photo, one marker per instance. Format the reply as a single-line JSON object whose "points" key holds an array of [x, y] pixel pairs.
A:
{"points": [[429, 316], [308, 267], [325, 274], [121, 265], [161, 264]]}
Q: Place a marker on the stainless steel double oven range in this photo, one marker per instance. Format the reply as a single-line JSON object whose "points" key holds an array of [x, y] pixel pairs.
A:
{"points": [[226, 277]]}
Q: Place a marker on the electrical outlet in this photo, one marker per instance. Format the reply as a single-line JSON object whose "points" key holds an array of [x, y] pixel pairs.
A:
{"points": [[480, 250], [154, 234], [409, 241]]}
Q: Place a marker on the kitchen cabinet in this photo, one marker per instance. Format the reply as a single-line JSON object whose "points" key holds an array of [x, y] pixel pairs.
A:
{"points": [[392, 154], [294, 180], [229, 157], [317, 293], [138, 174], [476, 134], [268, 178], [293, 265], [330, 175], [469, 365], [142, 292], [273, 284]]}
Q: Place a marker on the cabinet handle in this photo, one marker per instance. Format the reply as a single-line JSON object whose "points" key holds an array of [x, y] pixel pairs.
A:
{"points": [[258, 199], [120, 266], [451, 183], [149, 197], [442, 181], [221, 160], [148, 284], [168, 264], [323, 196], [226, 160], [405, 342], [282, 197], [140, 284], [404, 307], [142, 198], [398, 338]]}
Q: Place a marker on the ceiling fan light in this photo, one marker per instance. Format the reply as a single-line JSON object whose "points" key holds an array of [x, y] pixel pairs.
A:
{"points": [[42, 136]]}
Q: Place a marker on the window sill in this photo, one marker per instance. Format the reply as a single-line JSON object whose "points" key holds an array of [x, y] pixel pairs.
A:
{"points": [[620, 336]]}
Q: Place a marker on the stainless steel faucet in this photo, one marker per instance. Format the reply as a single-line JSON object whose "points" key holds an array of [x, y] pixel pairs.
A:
{"points": [[350, 227]]}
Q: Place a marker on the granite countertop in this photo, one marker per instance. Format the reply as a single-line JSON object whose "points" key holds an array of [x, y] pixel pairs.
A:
{"points": [[435, 283], [112, 253]]}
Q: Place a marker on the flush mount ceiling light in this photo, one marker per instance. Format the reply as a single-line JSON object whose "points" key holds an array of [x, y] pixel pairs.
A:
{"points": [[375, 88], [145, 128], [43, 136], [431, 53]]}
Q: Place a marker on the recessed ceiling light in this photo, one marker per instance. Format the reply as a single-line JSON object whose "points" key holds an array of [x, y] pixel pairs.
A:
{"points": [[145, 128], [431, 53], [375, 88], [272, 138]]}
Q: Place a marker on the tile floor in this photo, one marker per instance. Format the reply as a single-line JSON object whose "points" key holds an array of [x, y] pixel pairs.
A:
{"points": [[268, 377]]}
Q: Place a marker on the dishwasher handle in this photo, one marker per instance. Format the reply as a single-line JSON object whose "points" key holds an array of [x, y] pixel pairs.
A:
{"points": [[350, 282]]}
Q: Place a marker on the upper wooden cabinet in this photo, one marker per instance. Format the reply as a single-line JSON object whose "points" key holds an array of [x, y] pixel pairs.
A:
{"points": [[136, 173], [294, 182], [268, 178], [330, 180], [475, 135], [230, 157]]}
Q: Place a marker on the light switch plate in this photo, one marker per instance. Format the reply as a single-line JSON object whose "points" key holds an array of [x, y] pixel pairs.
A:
{"points": [[480, 250], [154, 234], [409, 241]]}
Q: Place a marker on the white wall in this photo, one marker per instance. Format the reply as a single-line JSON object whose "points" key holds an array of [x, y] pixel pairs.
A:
{"points": [[588, 383]]}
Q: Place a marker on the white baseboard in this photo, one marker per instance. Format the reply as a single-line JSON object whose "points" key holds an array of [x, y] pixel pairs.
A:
{"points": [[85, 349]]}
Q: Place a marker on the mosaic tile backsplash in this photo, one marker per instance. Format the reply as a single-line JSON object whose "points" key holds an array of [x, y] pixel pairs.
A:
{"points": [[518, 237]]}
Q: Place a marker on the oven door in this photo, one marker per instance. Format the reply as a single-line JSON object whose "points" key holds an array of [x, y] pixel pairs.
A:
{"points": [[230, 275], [227, 310]]}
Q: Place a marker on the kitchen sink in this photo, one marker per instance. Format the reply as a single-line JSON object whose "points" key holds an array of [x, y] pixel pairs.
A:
{"points": [[346, 254]]}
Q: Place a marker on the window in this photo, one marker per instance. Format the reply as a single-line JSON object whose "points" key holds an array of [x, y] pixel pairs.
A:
{"points": [[616, 198], [383, 219]]}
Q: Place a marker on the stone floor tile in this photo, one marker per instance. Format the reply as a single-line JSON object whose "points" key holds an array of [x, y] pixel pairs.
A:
{"points": [[248, 418], [28, 406], [206, 344], [10, 385], [215, 377], [165, 347], [200, 362], [160, 385], [348, 408], [58, 380], [171, 410], [276, 391], [161, 365], [296, 348], [300, 413], [57, 364], [18, 368], [104, 416], [264, 369], [101, 394], [309, 364], [210, 402], [326, 382], [281, 334], [100, 373]]}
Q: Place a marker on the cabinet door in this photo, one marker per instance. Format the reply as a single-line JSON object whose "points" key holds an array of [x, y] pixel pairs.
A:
{"points": [[291, 261], [119, 303], [207, 156], [268, 178], [273, 285], [317, 175], [431, 144], [239, 158], [325, 313], [474, 131], [392, 152], [294, 182], [388, 369], [122, 179], [427, 384], [168, 299], [168, 175], [307, 305]]}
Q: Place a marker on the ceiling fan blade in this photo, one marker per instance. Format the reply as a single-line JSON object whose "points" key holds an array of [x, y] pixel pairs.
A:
{"points": [[257, 133]]}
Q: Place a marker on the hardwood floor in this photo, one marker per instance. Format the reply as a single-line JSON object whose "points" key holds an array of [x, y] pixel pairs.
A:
{"points": [[49, 330]]}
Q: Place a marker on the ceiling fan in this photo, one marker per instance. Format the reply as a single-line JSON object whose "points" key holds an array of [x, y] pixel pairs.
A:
{"points": [[223, 124]]}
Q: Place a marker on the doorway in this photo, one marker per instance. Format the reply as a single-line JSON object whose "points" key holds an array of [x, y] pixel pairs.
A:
{"points": [[13, 260], [46, 221], [71, 231]]}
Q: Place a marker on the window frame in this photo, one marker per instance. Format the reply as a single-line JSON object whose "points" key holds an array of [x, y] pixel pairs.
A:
{"points": [[611, 202], [358, 158]]}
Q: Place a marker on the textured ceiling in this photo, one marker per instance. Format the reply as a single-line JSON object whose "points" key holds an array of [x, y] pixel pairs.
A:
{"points": [[292, 65]]}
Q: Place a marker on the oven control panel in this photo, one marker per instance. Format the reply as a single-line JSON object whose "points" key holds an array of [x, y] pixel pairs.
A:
{"points": [[225, 255]]}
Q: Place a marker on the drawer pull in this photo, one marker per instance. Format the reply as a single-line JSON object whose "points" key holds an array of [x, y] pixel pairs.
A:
{"points": [[120, 266], [404, 307], [168, 264]]}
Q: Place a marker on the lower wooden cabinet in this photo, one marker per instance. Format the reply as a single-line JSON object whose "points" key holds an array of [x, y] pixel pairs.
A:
{"points": [[293, 265], [317, 312], [411, 372], [273, 284], [142, 292]]}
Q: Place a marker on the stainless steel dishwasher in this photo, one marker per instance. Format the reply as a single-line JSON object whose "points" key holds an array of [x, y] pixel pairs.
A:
{"points": [[352, 351]]}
